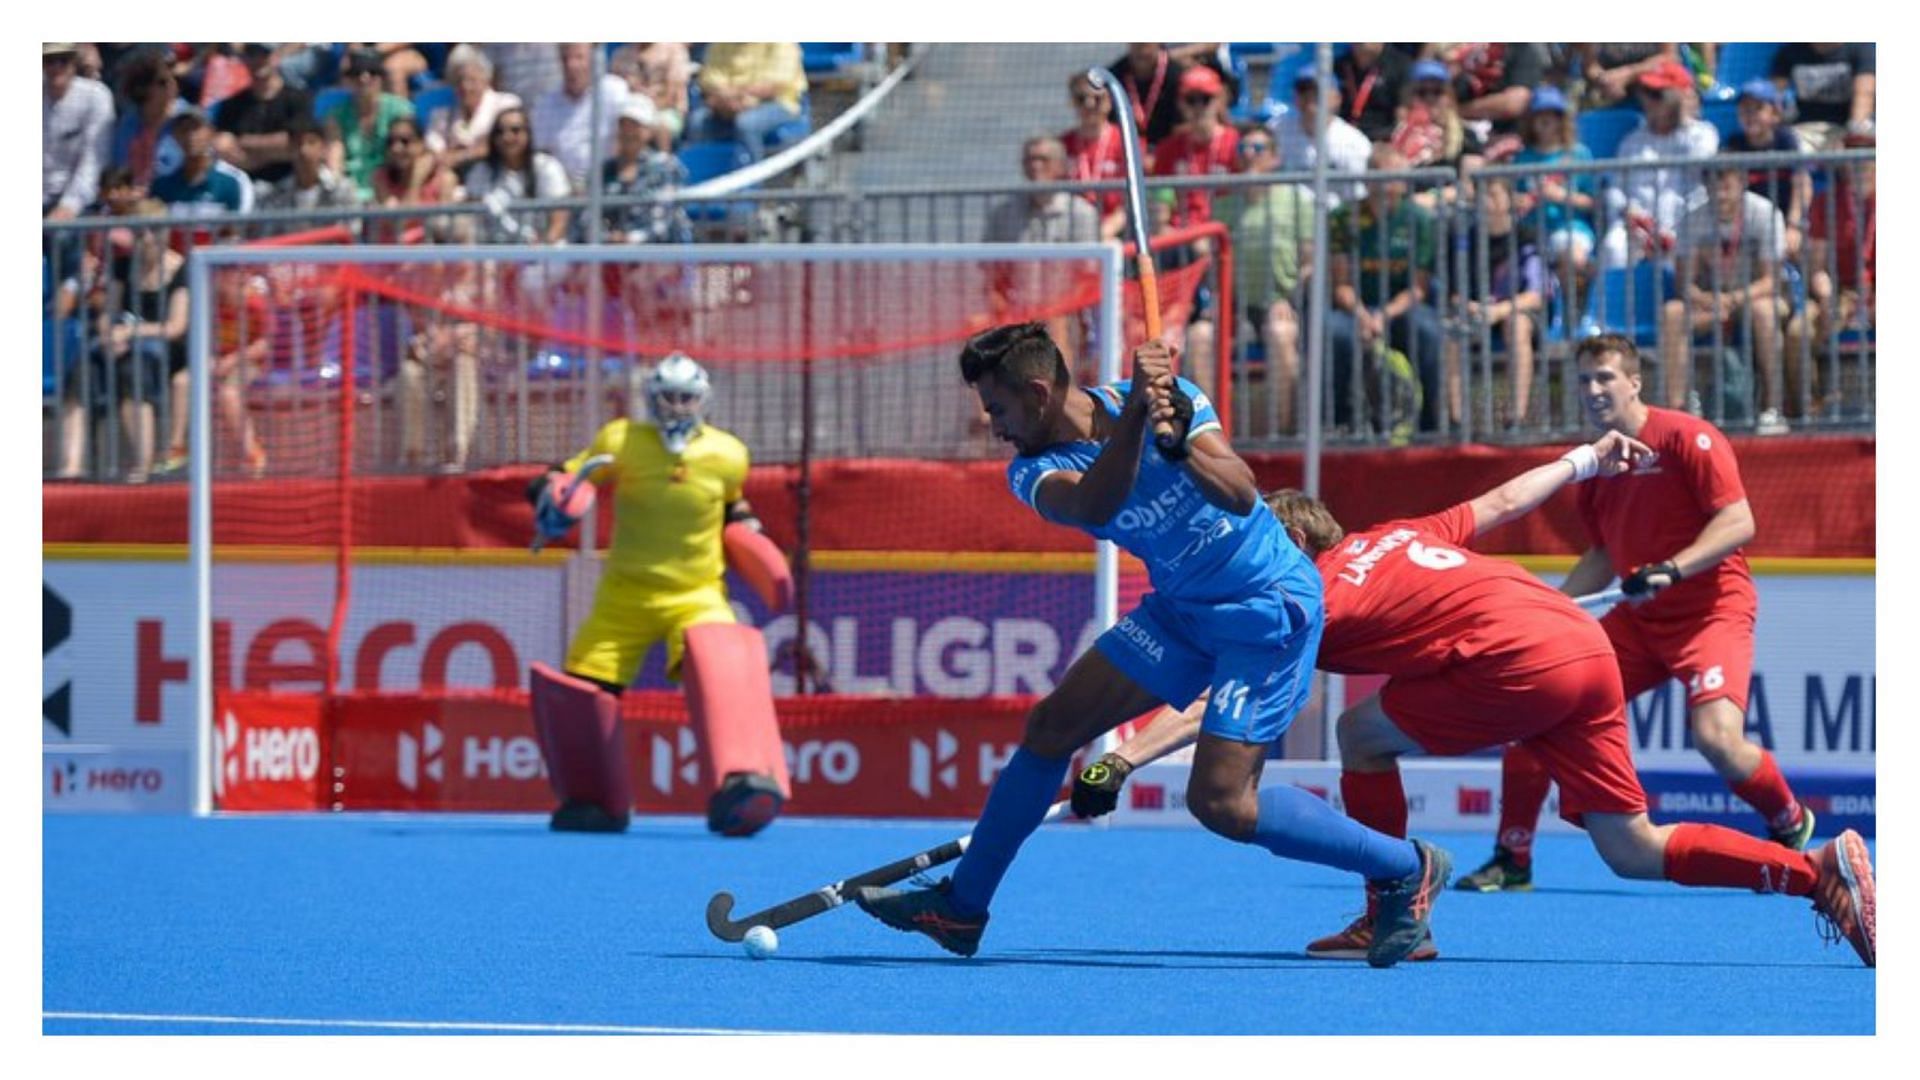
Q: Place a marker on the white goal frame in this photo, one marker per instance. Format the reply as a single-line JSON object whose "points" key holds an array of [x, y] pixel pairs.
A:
{"points": [[204, 261]]}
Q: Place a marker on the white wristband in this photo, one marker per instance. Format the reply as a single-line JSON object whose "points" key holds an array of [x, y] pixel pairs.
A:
{"points": [[1585, 462]]}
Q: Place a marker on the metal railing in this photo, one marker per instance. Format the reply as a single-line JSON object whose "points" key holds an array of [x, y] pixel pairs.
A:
{"points": [[1426, 246]]}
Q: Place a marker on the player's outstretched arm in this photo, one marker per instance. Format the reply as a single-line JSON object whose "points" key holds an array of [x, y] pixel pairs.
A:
{"points": [[1609, 455]]}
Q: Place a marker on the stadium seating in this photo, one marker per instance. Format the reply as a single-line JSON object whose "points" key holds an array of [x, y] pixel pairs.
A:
{"points": [[1723, 115], [1743, 60], [1601, 130], [328, 100], [433, 99], [826, 57], [1622, 294]]}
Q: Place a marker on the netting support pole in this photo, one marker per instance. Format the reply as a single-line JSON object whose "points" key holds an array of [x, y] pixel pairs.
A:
{"points": [[803, 502], [200, 525], [343, 559], [1106, 557]]}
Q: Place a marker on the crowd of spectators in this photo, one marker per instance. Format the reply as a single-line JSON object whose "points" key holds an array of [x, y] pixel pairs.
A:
{"points": [[1460, 107]]}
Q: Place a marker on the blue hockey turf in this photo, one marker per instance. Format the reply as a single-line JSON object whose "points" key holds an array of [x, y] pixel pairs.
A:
{"points": [[356, 923]]}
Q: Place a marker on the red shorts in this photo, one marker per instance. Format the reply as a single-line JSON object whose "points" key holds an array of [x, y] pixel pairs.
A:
{"points": [[1572, 716], [1712, 655]]}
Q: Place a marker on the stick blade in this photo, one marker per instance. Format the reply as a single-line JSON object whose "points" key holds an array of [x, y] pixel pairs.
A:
{"points": [[718, 923]]}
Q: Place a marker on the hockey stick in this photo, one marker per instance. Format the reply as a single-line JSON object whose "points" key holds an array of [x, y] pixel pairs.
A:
{"points": [[1163, 432], [832, 896], [1601, 598]]}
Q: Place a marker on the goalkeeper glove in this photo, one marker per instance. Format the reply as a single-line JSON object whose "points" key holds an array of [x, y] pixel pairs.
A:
{"points": [[1649, 579], [1096, 790]]}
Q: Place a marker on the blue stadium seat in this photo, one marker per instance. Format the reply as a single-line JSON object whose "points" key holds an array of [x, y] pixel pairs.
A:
{"points": [[1723, 115], [328, 100], [1620, 294], [826, 57], [1600, 131], [1742, 60], [1242, 108], [433, 99], [706, 160]]}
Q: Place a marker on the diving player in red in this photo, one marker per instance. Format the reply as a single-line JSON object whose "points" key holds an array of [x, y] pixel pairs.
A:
{"points": [[1671, 530], [1479, 653]]}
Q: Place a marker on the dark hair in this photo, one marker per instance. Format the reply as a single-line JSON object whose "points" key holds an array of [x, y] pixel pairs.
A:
{"points": [[300, 126], [496, 166], [116, 176], [1013, 354], [1306, 519], [186, 124], [1601, 344], [140, 72]]}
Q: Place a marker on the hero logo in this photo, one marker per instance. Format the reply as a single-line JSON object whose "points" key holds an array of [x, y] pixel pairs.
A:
{"points": [[265, 753], [420, 758], [929, 763], [675, 757], [837, 762]]}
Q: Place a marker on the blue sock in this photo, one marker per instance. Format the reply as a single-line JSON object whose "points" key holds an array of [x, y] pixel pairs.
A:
{"points": [[1015, 807], [1297, 824]]}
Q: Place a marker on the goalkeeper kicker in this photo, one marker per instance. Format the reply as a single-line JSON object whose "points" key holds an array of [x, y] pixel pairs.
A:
{"points": [[680, 518]]}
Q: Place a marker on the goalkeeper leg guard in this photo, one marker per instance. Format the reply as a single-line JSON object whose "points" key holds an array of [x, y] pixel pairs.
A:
{"points": [[578, 725], [730, 700]]}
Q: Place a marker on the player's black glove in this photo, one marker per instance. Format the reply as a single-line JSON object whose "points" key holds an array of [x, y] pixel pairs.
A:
{"points": [[1649, 579], [1173, 446], [1096, 790]]}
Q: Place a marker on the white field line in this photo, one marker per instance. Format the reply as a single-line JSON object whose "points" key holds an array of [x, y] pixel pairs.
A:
{"points": [[409, 1025]]}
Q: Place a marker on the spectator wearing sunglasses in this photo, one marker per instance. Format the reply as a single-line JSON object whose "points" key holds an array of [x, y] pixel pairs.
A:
{"points": [[357, 127]]}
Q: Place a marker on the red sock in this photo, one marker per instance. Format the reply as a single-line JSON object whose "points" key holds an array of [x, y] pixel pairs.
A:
{"points": [[1767, 791], [1523, 791], [1376, 800], [1715, 855]]}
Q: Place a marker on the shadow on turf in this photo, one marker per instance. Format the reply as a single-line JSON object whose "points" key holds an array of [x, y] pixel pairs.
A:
{"points": [[1552, 890], [1027, 958], [540, 830]]}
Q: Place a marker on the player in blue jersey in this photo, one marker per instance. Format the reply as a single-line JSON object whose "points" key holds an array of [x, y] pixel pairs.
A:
{"points": [[1235, 610]]}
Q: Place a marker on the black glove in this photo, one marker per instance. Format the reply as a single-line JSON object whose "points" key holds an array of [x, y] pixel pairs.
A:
{"points": [[1096, 790], [1173, 447], [1642, 581]]}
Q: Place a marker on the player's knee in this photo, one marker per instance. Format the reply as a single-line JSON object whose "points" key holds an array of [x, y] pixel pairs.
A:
{"points": [[1718, 728], [1232, 813], [1629, 844]]}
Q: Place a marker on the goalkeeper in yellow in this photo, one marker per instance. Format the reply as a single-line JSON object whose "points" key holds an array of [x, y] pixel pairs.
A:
{"points": [[680, 518]]}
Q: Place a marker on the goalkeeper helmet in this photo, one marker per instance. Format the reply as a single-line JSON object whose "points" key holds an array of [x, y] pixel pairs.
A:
{"points": [[677, 397]]}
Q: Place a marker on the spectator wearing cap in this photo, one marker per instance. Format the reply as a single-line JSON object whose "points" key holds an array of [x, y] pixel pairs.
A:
{"points": [[312, 184], [1608, 71], [1043, 217], [252, 125], [662, 71], [1833, 89], [458, 132], [140, 140], [1201, 146], [1495, 82], [1430, 130], [1094, 151], [76, 116], [1563, 202], [563, 120], [747, 92], [1347, 149], [1648, 200], [1271, 225], [1151, 76], [1372, 78], [203, 185], [357, 127], [1762, 131], [640, 169]]}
